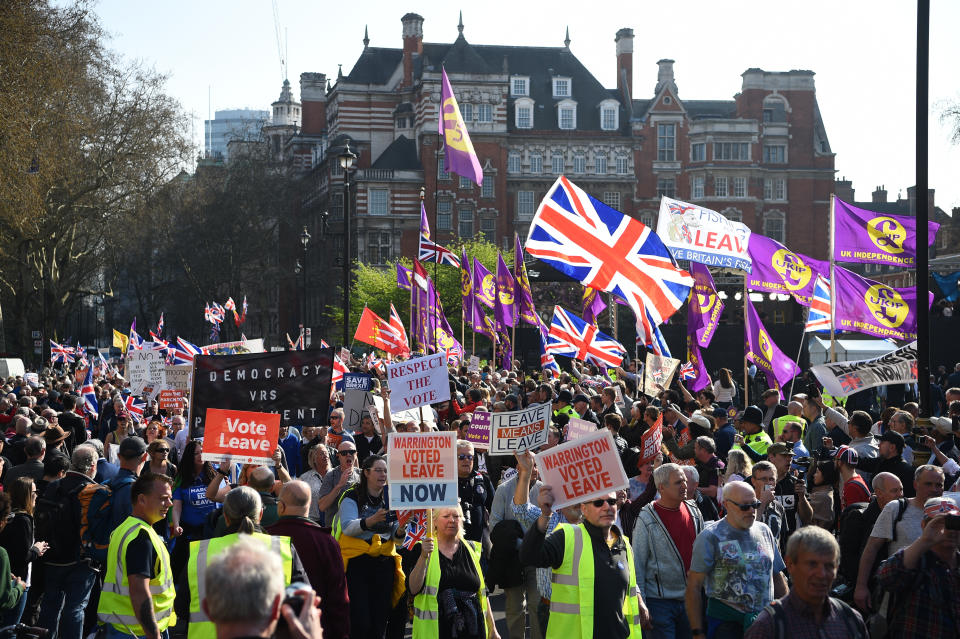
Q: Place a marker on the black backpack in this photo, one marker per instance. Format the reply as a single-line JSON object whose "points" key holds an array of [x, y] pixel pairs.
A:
{"points": [[775, 609], [52, 520]]}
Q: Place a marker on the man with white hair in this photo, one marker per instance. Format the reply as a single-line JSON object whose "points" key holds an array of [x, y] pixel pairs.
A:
{"points": [[738, 562]]}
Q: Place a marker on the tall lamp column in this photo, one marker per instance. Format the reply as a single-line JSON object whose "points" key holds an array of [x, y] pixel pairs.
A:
{"points": [[347, 159], [304, 240]]}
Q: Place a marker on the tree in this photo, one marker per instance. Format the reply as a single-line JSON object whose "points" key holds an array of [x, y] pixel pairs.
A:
{"points": [[85, 140]]}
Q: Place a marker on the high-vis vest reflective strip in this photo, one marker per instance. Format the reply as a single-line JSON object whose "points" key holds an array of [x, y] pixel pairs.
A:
{"points": [[758, 442], [426, 611], [115, 606], [780, 423], [571, 603], [568, 411], [202, 553]]}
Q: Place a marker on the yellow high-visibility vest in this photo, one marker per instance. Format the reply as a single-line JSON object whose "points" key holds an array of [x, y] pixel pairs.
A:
{"points": [[426, 610]]}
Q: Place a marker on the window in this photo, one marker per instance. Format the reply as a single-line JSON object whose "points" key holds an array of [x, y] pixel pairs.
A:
{"points": [[780, 189], [513, 162], [579, 163], [601, 164], [336, 206], [612, 199], [488, 226], [774, 153], [666, 142], [568, 117], [698, 152], [466, 221], [465, 183], [609, 118], [443, 173], [484, 113], [401, 123], [444, 215], [731, 151], [739, 187], [623, 165], [556, 163], [774, 226], [720, 186], [519, 86], [379, 247], [561, 87], [732, 214], [697, 191], [666, 187], [524, 116], [466, 111], [525, 205], [536, 163], [486, 189], [647, 218], [774, 110], [377, 201]]}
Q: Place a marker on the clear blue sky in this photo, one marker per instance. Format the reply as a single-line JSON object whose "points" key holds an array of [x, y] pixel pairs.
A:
{"points": [[863, 53]]}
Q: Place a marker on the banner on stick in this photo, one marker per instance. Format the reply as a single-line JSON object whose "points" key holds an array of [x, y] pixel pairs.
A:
{"points": [[581, 470], [422, 470], [417, 382], [145, 372], [650, 441], [357, 398], [478, 433], [658, 372], [234, 348], [519, 430], [845, 378], [577, 428], [238, 436], [178, 378], [701, 235]]}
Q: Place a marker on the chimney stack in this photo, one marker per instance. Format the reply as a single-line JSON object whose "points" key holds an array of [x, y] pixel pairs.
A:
{"points": [[313, 99], [665, 76], [880, 195], [624, 42], [412, 44]]}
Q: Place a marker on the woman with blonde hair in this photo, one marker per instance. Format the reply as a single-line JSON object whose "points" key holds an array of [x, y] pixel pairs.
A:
{"points": [[450, 598], [739, 467]]}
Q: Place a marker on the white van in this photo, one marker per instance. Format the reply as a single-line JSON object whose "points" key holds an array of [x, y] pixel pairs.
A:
{"points": [[11, 366]]}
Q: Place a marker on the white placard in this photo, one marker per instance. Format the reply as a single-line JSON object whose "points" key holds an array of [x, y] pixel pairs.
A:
{"points": [[584, 469], [519, 430], [422, 470], [178, 377], [474, 365], [418, 382], [145, 372]]}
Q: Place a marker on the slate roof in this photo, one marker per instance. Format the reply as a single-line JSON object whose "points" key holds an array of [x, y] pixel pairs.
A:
{"points": [[401, 155], [696, 109]]}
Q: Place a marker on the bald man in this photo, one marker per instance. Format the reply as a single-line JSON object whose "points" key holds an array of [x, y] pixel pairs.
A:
{"points": [[320, 554]]}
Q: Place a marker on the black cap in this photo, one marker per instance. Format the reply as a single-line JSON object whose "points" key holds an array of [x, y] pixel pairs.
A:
{"points": [[753, 415], [565, 396], [581, 398], [894, 438], [132, 447]]}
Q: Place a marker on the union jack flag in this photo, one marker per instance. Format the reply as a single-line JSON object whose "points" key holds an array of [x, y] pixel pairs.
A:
{"points": [[416, 522], [850, 382], [61, 353], [135, 406], [136, 342], [160, 325], [432, 252], [159, 344], [295, 345], [89, 394], [607, 250], [397, 324], [687, 371], [339, 368], [323, 343], [183, 351], [375, 363], [569, 335], [818, 317], [649, 336]]}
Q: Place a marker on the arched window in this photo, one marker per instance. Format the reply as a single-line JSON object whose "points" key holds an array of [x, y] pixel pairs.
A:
{"points": [[775, 226]]}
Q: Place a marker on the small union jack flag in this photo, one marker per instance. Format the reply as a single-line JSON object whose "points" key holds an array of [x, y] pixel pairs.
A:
{"points": [[160, 326], [818, 317], [89, 394], [649, 336], [850, 382], [571, 336], [61, 353], [183, 351], [687, 371], [432, 252], [339, 368], [135, 406], [416, 521]]}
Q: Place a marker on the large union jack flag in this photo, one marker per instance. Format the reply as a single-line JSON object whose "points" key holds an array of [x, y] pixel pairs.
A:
{"points": [[607, 250], [135, 406], [89, 394], [61, 353], [433, 252], [571, 336], [818, 317], [183, 351]]}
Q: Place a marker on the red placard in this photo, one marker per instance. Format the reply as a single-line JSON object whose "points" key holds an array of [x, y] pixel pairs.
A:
{"points": [[171, 399], [240, 436]]}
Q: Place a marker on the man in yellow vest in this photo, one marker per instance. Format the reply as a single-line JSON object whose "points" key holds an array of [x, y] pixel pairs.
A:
{"points": [[754, 441], [138, 591], [594, 578]]}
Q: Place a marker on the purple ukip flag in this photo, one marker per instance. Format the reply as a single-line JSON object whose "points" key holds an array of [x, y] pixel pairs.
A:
{"points": [[424, 224], [458, 154], [761, 350], [593, 305], [484, 284], [872, 308], [505, 310], [870, 237], [522, 293], [403, 276], [469, 307], [777, 269], [706, 307], [701, 377]]}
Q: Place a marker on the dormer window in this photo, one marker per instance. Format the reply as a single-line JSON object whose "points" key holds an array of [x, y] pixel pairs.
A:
{"points": [[609, 115], [561, 87], [519, 86], [523, 109], [567, 115]]}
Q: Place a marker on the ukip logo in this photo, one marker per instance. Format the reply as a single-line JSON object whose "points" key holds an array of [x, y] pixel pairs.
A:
{"points": [[506, 296], [886, 305], [794, 273], [766, 345], [489, 288], [464, 283], [706, 301], [453, 133], [887, 234]]}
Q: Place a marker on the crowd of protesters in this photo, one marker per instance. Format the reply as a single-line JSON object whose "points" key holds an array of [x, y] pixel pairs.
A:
{"points": [[796, 516]]}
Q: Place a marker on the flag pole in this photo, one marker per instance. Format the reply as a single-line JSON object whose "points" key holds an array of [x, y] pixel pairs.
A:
{"points": [[833, 296], [746, 328], [800, 350], [923, 206]]}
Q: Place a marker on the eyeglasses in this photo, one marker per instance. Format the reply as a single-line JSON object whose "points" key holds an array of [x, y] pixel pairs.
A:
{"points": [[347, 453], [162, 450], [598, 503], [335, 417], [745, 507], [463, 457]]}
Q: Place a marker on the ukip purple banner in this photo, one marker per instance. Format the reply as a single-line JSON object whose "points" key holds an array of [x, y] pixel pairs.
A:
{"points": [[873, 308], [403, 276], [484, 284], [777, 269], [705, 308], [469, 307], [869, 237], [593, 305], [505, 310], [702, 379], [761, 350], [458, 154]]}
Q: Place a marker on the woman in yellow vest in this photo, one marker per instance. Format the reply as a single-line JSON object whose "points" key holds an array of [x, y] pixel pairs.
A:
{"points": [[450, 595]]}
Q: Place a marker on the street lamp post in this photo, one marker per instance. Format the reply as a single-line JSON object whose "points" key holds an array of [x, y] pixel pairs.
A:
{"points": [[304, 240], [347, 159]]}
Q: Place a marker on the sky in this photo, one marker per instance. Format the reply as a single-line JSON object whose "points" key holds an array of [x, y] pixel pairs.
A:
{"points": [[224, 55]]}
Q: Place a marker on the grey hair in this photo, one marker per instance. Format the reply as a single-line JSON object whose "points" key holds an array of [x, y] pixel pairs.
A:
{"points": [[255, 575], [812, 539], [83, 459], [692, 473], [661, 474], [97, 445], [922, 469], [707, 444], [243, 505]]}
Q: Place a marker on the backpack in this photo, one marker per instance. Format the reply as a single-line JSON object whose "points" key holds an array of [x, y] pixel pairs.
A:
{"points": [[51, 515], [96, 517], [776, 611], [851, 543]]}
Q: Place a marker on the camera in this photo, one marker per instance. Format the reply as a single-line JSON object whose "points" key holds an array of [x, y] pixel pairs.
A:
{"points": [[296, 602]]}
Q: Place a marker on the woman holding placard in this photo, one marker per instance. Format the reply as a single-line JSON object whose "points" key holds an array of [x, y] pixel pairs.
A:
{"points": [[366, 531], [450, 595]]}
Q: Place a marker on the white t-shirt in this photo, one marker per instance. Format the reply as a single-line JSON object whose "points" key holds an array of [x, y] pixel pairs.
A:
{"points": [[908, 528], [724, 394]]}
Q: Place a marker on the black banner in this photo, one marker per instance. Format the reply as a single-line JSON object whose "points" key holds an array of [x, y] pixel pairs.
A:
{"points": [[295, 384]]}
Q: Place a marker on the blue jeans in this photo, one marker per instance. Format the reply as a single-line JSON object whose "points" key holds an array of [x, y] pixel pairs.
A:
{"points": [[12, 616], [669, 619], [65, 598]]}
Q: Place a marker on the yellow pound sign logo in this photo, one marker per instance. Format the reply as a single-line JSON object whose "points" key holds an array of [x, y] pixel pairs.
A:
{"points": [[451, 127], [489, 288], [886, 305], [464, 282], [791, 268], [506, 296], [766, 346], [887, 234]]}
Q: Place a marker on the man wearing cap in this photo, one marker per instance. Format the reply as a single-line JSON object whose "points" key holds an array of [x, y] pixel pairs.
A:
{"points": [[55, 438], [581, 404], [855, 489], [131, 456], [890, 460], [789, 491], [754, 441], [942, 431], [924, 574], [564, 409]]}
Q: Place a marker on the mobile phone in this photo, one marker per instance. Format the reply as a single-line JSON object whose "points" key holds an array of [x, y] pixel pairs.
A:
{"points": [[391, 516], [952, 522]]}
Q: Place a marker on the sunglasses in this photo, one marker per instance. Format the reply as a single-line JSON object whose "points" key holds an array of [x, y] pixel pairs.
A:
{"points": [[610, 501], [463, 457], [347, 453], [162, 450], [745, 507]]}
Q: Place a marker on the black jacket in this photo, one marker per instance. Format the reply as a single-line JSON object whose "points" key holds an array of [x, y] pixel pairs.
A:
{"points": [[17, 539], [65, 538]]}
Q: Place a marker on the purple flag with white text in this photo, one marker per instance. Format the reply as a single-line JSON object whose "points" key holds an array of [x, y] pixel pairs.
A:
{"points": [[869, 237], [458, 154], [777, 269], [873, 308], [706, 307], [761, 350]]}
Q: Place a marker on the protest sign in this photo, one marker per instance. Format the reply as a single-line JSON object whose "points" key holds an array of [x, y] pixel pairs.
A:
{"points": [[650, 441], [404, 416], [178, 378], [519, 430], [474, 365], [618, 394], [697, 234], [417, 382], [356, 399], [33, 379], [295, 384], [577, 428], [240, 436], [658, 373], [583, 469], [171, 399], [422, 470], [234, 348], [345, 356], [478, 433], [845, 378], [145, 372]]}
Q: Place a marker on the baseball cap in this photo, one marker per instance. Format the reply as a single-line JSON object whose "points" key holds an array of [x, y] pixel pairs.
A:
{"points": [[848, 456], [780, 448], [565, 396], [894, 438], [940, 506], [943, 425], [753, 415], [132, 446], [581, 398]]}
